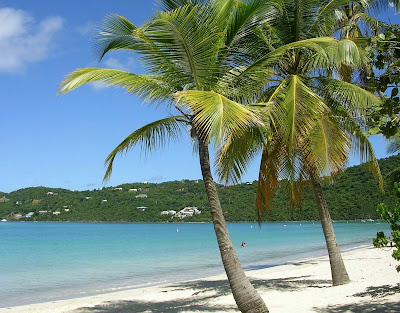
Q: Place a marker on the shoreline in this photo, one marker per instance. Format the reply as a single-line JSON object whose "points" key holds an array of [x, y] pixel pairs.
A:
{"points": [[374, 282], [183, 222]]}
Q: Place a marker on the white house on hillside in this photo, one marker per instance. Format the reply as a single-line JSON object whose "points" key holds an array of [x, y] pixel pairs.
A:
{"points": [[188, 211], [170, 212]]}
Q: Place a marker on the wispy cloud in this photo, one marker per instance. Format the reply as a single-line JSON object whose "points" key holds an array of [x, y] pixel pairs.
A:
{"points": [[157, 178], [116, 64], [86, 29], [23, 40]]}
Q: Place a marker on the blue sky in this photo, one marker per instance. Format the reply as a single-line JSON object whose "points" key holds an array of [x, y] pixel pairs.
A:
{"points": [[62, 141]]}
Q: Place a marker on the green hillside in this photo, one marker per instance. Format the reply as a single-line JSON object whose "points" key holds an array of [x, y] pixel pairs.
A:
{"points": [[353, 195]]}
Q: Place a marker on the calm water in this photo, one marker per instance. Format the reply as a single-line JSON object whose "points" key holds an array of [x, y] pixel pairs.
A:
{"points": [[49, 261]]}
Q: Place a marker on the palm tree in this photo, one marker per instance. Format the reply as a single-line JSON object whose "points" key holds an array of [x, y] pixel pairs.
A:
{"points": [[189, 51], [314, 119]]}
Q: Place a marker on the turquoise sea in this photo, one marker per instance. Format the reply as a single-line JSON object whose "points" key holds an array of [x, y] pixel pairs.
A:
{"points": [[42, 262]]}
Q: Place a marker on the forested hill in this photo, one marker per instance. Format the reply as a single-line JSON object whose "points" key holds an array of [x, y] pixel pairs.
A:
{"points": [[353, 195]]}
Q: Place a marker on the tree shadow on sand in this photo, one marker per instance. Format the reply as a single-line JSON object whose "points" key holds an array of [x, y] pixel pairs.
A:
{"points": [[364, 307], [373, 306], [203, 293], [379, 291]]}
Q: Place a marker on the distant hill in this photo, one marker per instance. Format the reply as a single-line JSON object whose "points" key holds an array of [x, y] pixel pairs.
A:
{"points": [[353, 195]]}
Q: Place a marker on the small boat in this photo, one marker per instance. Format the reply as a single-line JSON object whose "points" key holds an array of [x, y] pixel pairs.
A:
{"points": [[4, 220]]}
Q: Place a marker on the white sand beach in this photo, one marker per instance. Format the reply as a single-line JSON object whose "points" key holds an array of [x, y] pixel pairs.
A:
{"points": [[297, 287]]}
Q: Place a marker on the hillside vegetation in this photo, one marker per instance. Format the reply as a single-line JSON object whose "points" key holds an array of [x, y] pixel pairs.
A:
{"points": [[353, 195]]}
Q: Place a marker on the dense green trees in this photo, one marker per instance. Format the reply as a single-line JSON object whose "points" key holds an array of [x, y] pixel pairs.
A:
{"points": [[354, 195]]}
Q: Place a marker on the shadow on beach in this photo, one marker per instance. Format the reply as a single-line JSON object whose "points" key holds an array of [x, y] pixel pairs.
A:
{"points": [[376, 305], [372, 306], [203, 293]]}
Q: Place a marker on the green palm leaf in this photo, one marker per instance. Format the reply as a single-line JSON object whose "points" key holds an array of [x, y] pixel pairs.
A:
{"points": [[299, 106], [150, 137], [189, 37], [352, 97], [237, 152], [328, 146], [268, 177], [363, 147], [275, 56], [215, 116], [149, 87]]}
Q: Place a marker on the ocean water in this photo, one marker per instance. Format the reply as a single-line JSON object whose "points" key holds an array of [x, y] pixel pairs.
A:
{"points": [[42, 262]]}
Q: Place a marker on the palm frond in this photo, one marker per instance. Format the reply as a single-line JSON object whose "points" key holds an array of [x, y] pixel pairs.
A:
{"points": [[328, 146], [394, 145], [268, 177], [299, 107], [325, 20], [276, 56], [362, 147], [190, 37], [233, 158], [149, 87], [150, 137], [169, 5], [215, 116], [116, 32], [352, 97], [351, 52]]}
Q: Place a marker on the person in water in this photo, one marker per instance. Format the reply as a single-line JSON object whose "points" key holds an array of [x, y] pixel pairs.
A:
{"points": [[243, 244]]}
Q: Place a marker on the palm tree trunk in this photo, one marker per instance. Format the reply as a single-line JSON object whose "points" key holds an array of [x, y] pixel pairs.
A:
{"points": [[338, 269], [246, 297]]}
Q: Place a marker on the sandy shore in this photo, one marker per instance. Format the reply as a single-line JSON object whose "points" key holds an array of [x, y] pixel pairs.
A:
{"points": [[298, 287]]}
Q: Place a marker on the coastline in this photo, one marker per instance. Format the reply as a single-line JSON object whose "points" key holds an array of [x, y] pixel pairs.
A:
{"points": [[375, 287]]}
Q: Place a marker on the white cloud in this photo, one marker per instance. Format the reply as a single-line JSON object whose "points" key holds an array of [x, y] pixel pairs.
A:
{"points": [[86, 29], [116, 65], [98, 85], [24, 41]]}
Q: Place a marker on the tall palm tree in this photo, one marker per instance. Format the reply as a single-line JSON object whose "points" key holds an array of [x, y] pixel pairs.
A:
{"points": [[189, 51], [314, 118]]}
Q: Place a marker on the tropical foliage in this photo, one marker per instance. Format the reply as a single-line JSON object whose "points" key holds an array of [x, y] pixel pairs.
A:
{"points": [[359, 195], [392, 216], [385, 56]]}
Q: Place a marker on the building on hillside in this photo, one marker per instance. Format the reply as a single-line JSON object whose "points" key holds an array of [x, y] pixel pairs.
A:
{"points": [[142, 195], [188, 211], [43, 212], [118, 188], [132, 190], [104, 201], [169, 212], [18, 215], [4, 199], [87, 198], [18, 202], [56, 212], [66, 210], [30, 214], [141, 208], [50, 193]]}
